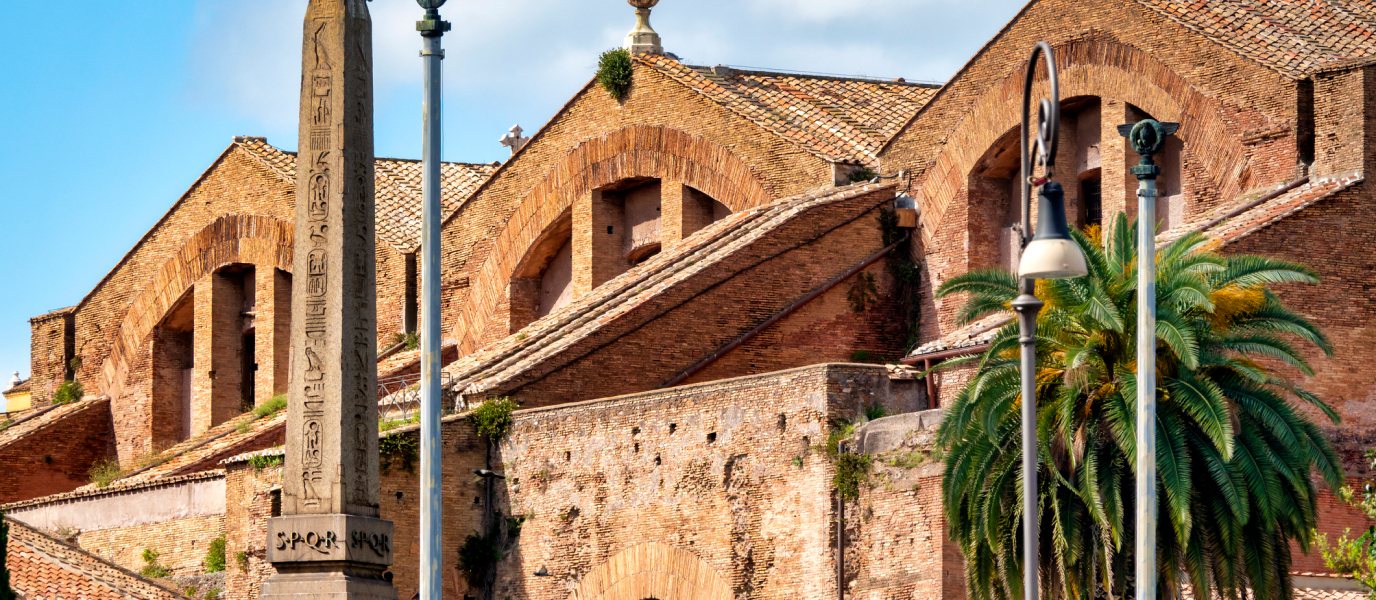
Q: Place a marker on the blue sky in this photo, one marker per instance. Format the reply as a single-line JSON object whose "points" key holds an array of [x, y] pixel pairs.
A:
{"points": [[110, 110]]}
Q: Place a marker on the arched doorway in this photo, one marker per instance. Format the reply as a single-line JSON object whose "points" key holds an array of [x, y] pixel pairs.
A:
{"points": [[653, 571]]}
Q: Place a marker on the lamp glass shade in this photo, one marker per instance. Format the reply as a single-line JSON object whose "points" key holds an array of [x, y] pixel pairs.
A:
{"points": [[1052, 254]]}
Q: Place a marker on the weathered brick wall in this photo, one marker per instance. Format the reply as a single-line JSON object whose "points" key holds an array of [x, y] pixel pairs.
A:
{"points": [[896, 540], [248, 506], [463, 451], [1344, 121], [58, 457], [655, 100], [52, 345], [1238, 119], [181, 544], [391, 294], [712, 309]]}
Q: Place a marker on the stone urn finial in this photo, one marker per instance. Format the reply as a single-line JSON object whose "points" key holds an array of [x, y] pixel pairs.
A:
{"points": [[643, 39]]}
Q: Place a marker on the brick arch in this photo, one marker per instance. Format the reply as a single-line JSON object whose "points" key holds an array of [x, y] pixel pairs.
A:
{"points": [[1088, 67], [231, 239], [653, 570], [638, 151]]}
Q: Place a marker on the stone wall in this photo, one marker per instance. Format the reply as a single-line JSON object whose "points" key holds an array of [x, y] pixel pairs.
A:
{"points": [[181, 544], [723, 471]]}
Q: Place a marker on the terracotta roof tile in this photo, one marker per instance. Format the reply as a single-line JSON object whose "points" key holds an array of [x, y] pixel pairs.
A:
{"points": [[1260, 216], [39, 418], [840, 119], [970, 336], [204, 452], [1294, 37], [42, 568], [398, 184]]}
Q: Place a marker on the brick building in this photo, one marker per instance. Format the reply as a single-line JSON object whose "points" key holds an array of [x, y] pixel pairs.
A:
{"points": [[671, 284]]}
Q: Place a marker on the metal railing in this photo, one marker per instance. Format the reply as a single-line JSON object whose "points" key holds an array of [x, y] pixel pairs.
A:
{"points": [[399, 397]]}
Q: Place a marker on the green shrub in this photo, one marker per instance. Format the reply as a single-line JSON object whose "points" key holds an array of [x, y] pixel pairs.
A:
{"points": [[70, 391], [493, 418], [105, 471], [614, 72], [215, 558], [852, 470], [399, 447], [241, 558], [267, 461], [271, 407], [151, 569], [864, 174], [863, 293], [478, 557], [391, 424], [875, 411], [411, 340]]}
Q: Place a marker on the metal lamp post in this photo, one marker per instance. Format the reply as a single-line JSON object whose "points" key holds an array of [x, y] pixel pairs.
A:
{"points": [[1051, 254], [1147, 137], [431, 29]]}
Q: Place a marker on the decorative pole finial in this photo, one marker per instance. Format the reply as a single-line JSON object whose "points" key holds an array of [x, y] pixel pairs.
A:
{"points": [[643, 39], [432, 25]]}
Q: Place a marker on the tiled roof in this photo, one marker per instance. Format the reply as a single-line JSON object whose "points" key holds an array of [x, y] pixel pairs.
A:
{"points": [[398, 189], [1260, 216], [42, 568], [43, 417], [1294, 37], [204, 452], [538, 342], [120, 487], [840, 119], [969, 336]]}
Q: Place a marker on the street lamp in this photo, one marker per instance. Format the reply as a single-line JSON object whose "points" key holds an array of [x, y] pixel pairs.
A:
{"points": [[1147, 137], [431, 29], [1051, 254]]}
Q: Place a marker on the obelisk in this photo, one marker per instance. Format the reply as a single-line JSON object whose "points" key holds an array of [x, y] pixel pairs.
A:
{"points": [[329, 541]]}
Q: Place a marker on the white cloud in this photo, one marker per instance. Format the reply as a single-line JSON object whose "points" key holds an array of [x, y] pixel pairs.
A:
{"points": [[518, 60]]}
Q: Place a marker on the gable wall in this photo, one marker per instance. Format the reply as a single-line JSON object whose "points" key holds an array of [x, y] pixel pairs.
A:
{"points": [[1238, 120], [782, 168]]}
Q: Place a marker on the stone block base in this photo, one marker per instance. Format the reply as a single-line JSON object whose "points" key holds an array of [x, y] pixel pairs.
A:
{"points": [[326, 586]]}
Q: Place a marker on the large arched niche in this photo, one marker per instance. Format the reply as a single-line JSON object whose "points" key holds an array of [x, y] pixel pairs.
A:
{"points": [[1092, 67], [230, 240], [653, 570], [641, 152]]}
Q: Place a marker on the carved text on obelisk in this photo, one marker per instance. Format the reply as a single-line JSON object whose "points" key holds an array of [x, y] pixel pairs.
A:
{"points": [[318, 211]]}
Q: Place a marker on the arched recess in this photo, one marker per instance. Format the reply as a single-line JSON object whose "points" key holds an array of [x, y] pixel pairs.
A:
{"points": [[231, 239], [1088, 67], [653, 570], [637, 152]]}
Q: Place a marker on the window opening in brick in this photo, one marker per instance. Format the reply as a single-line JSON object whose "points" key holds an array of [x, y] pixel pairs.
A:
{"points": [[609, 230], [1091, 191], [275, 502], [1304, 125], [635, 431], [410, 311], [712, 437], [637, 447], [568, 456], [657, 460], [171, 362], [783, 422], [672, 428]]}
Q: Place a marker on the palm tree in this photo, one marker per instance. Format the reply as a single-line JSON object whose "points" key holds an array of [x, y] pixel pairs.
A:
{"points": [[1234, 456]]}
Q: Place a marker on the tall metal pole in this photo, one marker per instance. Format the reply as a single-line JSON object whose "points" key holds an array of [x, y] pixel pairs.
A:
{"points": [[1147, 138], [1146, 387], [1028, 306], [431, 580]]}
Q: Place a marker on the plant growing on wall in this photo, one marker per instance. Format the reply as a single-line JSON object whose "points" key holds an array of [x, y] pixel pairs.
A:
{"points": [[399, 447], [614, 72], [151, 569], [105, 471], [70, 391], [1234, 451], [493, 418], [863, 292], [215, 557], [1355, 557]]}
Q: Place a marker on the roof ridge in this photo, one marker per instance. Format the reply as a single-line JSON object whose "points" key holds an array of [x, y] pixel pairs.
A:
{"points": [[53, 415]]}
